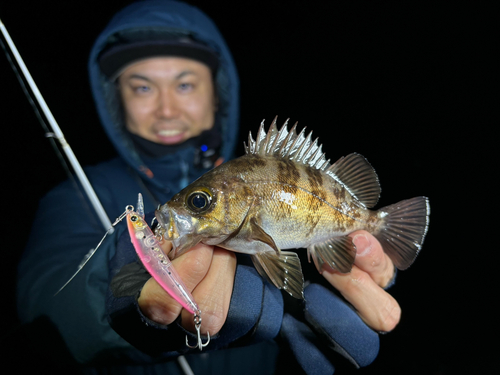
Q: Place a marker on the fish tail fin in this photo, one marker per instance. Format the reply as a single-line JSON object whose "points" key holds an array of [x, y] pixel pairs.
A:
{"points": [[404, 230], [284, 271]]}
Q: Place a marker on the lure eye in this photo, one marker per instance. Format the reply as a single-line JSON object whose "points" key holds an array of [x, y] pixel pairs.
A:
{"points": [[133, 218], [199, 201]]}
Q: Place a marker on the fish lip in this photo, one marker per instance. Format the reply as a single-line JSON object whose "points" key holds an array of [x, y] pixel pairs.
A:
{"points": [[162, 218], [178, 229]]}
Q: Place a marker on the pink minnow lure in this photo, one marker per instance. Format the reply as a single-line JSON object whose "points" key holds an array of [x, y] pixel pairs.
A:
{"points": [[156, 262], [159, 266]]}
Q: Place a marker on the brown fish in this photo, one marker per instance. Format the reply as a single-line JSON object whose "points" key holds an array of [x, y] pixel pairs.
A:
{"points": [[284, 194]]}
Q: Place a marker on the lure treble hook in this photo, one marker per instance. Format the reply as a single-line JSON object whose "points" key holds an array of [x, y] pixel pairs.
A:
{"points": [[197, 324]]}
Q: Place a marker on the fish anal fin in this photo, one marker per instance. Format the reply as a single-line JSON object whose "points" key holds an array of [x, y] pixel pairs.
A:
{"points": [[283, 271], [338, 252]]}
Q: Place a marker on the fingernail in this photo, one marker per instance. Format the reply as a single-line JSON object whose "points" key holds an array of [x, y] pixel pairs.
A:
{"points": [[362, 243]]}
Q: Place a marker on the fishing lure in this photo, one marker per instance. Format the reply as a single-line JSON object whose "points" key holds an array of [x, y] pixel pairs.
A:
{"points": [[159, 266], [148, 248]]}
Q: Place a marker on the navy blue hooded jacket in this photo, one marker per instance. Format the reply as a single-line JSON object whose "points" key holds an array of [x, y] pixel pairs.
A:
{"points": [[66, 228]]}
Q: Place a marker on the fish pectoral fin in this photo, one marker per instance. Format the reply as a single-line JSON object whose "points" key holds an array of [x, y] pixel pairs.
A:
{"points": [[249, 231], [338, 252], [259, 234], [284, 271]]}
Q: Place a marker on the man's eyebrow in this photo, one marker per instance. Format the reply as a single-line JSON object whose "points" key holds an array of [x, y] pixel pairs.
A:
{"points": [[138, 76], [178, 76], [184, 73]]}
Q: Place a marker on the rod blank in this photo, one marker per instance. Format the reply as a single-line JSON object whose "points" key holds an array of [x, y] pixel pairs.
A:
{"points": [[94, 200]]}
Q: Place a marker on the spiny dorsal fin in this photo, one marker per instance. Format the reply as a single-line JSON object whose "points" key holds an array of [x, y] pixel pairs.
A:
{"points": [[288, 145], [353, 171]]}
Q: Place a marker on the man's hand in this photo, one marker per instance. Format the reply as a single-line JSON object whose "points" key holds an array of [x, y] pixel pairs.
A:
{"points": [[363, 286], [329, 319], [208, 272]]}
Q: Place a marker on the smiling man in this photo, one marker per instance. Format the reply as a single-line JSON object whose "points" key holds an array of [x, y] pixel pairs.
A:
{"points": [[167, 100]]}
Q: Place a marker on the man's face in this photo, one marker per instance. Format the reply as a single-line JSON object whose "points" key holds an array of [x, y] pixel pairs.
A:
{"points": [[167, 100]]}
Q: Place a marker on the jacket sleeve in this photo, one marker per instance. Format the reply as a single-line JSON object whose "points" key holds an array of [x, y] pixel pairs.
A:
{"points": [[63, 232]]}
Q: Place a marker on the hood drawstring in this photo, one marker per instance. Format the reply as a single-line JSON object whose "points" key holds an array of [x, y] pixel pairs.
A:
{"points": [[185, 175], [146, 171]]}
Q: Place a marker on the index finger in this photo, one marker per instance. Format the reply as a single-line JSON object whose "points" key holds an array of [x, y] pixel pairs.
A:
{"points": [[213, 293], [370, 258], [192, 267], [375, 306]]}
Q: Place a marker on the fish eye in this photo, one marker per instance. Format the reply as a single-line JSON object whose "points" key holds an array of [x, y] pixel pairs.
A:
{"points": [[199, 201]]}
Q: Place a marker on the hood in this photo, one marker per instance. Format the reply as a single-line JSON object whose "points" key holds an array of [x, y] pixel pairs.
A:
{"points": [[164, 17]]}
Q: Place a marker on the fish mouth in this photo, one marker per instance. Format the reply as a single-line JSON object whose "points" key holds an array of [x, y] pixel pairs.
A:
{"points": [[177, 229], [162, 218]]}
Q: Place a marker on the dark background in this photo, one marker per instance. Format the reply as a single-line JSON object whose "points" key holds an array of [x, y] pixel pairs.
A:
{"points": [[405, 85]]}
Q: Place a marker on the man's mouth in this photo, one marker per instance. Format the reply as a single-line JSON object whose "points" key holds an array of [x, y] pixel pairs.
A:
{"points": [[170, 136], [169, 133]]}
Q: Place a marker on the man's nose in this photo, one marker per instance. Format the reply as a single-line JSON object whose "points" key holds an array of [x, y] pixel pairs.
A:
{"points": [[168, 105]]}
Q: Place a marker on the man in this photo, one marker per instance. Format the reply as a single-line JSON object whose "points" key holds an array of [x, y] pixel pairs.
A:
{"points": [[166, 90]]}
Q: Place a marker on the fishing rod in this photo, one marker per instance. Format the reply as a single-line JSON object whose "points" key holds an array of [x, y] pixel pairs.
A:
{"points": [[58, 134]]}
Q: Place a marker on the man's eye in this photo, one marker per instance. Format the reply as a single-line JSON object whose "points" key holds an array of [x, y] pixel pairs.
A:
{"points": [[141, 89], [184, 87]]}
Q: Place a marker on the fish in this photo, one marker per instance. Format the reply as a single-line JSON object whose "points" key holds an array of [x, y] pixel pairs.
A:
{"points": [[284, 194]]}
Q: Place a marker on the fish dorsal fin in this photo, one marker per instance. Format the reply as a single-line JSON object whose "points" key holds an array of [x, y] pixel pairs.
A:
{"points": [[288, 145], [358, 177], [353, 171]]}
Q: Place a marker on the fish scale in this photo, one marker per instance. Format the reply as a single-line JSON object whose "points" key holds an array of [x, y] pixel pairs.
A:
{"points": [[283, 194], [312, 207], [284, 213]]}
